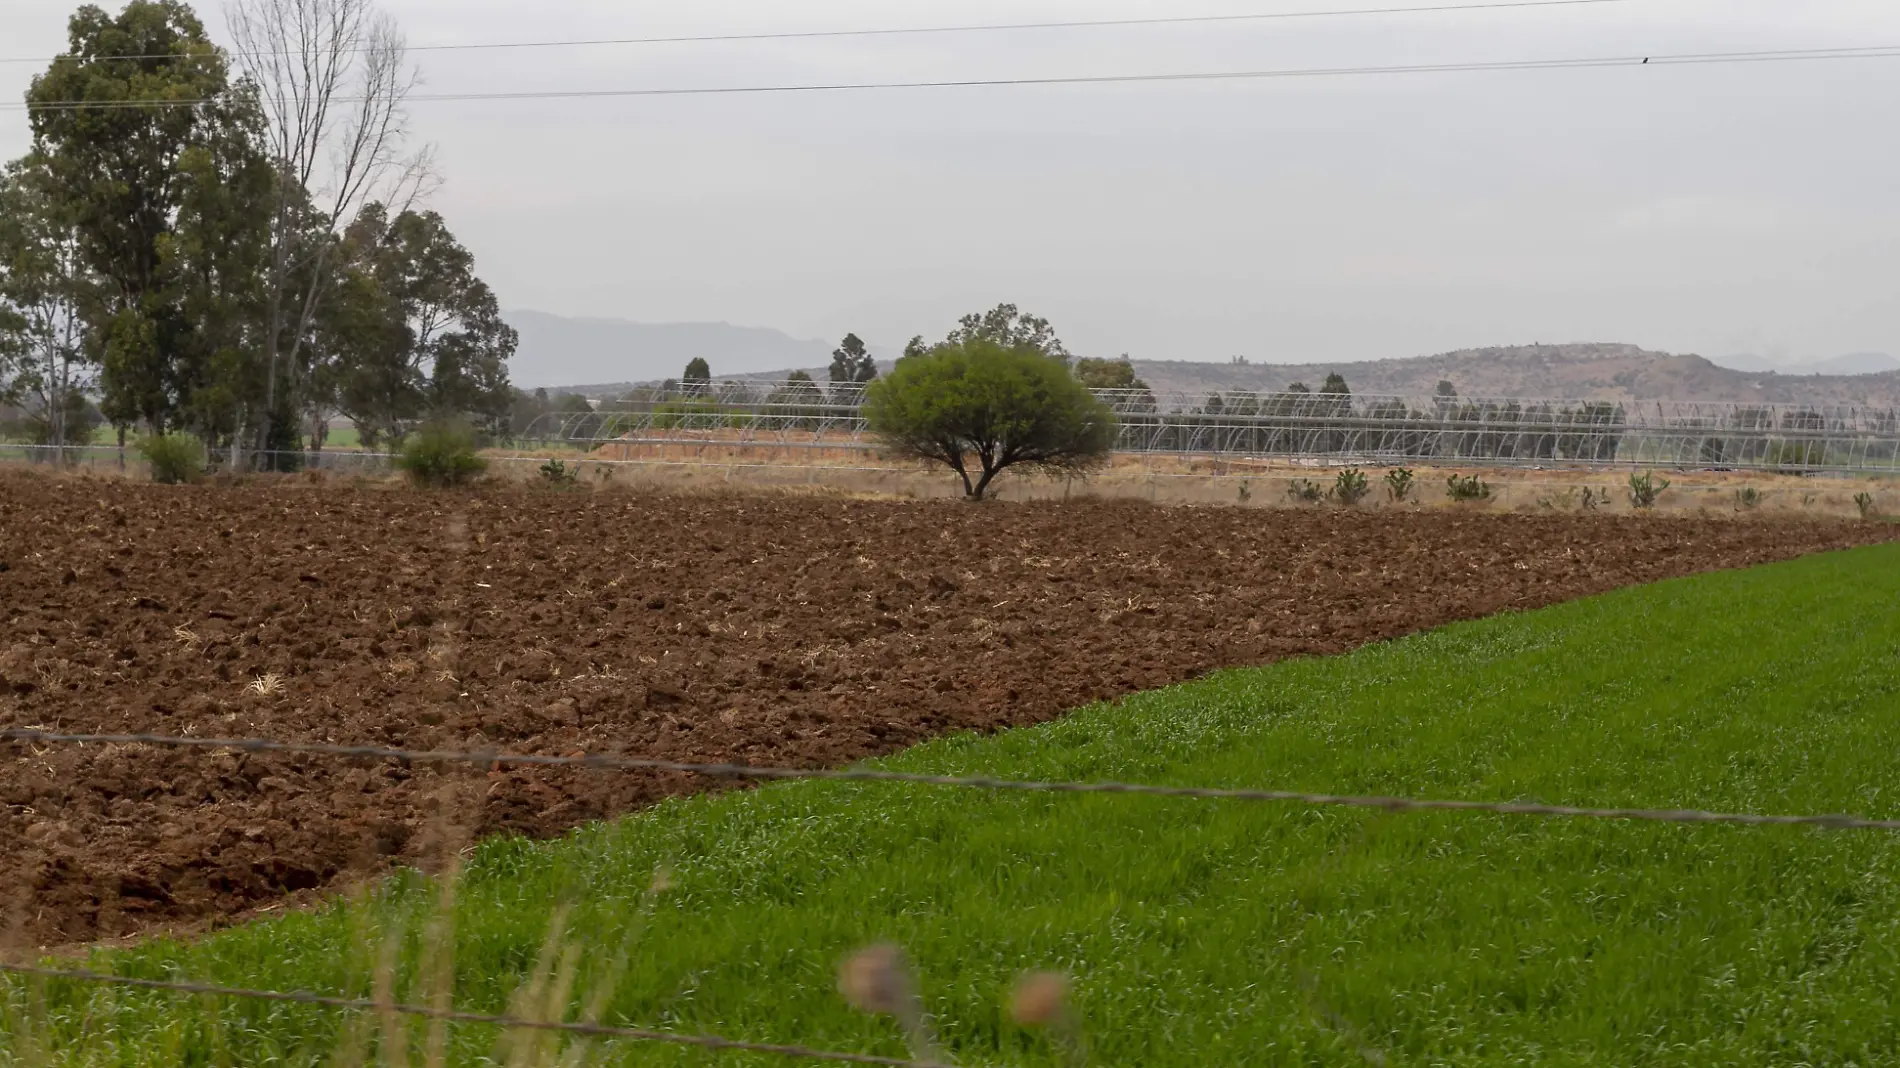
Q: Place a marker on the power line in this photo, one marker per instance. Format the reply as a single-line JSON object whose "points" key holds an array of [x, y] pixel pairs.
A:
{"points": [[746, 771], [795, 35], [1582, 63], [708, 1042]]}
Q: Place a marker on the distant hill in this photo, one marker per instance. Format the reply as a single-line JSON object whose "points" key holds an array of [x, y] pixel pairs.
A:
{"points": [[1854, 363], [559, 351], [1574, 371], [605, 357]]}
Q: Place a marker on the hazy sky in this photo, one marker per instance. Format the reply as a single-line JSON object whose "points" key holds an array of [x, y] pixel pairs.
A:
{"points": [[1712, 209]]}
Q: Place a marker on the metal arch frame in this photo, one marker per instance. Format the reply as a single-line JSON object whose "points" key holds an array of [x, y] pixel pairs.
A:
{"points": [[1363, 428], [1313, 428]]}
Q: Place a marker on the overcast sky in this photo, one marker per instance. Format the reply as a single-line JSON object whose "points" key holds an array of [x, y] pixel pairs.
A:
{"points": [[1712, 209]]}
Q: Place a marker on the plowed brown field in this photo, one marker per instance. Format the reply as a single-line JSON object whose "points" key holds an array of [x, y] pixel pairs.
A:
{"points": [[794, 631]]}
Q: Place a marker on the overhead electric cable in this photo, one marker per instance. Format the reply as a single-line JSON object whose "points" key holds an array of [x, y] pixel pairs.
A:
{"points": [[794, 35], [1679, 59]]}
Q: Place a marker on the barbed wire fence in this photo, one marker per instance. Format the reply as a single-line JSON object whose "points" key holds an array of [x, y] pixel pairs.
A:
{"points": [[712, 1043], [1837, 822], [31, 736]]}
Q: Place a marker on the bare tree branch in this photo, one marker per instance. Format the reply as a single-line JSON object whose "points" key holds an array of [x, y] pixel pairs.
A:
{"points": [[332, 77]]}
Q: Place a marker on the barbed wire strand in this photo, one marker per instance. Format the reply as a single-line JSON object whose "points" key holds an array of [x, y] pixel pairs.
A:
{"points": [[748, 771], [1579, 63], [899, 31], [709, 1042]]}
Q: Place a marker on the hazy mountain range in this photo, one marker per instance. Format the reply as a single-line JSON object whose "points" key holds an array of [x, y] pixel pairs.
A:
{"points": [[558, 351], [1854, 363], [1576, 371], [602, 357]]}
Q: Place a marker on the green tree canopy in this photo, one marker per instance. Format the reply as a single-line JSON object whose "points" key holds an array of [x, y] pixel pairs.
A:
{"points": [[698, 375], [1445, 396], [412, 331], [799, 388], [979, 408], [1134, 396], [851, 364], [124, 174], [1108, 374], [1006, 326], [45, 295], [1002, 325]]}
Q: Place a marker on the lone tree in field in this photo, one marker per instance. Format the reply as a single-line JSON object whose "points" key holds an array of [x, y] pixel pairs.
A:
{"points": [[979, 408]]}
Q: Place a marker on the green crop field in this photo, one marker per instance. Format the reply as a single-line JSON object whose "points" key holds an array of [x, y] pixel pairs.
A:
{"points": [[1215, 932]]}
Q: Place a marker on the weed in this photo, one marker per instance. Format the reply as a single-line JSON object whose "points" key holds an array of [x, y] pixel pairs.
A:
{"points": [[557, 473], [1467, 488], [1398, 484], [1869, 508], [1748, 498], [1306, 491], [441, 453], [173, 458], [1594, 499], [1350, 487], [1645, 488], [1246, 490], [1563, 500], [269, 684]]}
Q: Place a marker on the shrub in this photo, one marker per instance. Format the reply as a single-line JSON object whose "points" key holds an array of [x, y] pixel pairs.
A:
{"points": [[1869, 508], [557, 473], [174, 458], [1350, 487], [695, 413], [441, 453], [1646, 488], [1796, 455], [1467, 488], [1561, 501], [1398, 484], [1747, 499], [1306, 491]]}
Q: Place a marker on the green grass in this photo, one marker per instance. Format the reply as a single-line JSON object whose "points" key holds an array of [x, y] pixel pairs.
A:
{"points": [[1208, 933]]}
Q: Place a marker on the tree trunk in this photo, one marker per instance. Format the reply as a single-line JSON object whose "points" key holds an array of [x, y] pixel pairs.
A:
{"points": [[56, 419], [273, 329], [983, 483]]}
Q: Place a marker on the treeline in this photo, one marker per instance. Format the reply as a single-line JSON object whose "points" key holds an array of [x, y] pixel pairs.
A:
{"points": [[695, 401], [233, 244]]}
